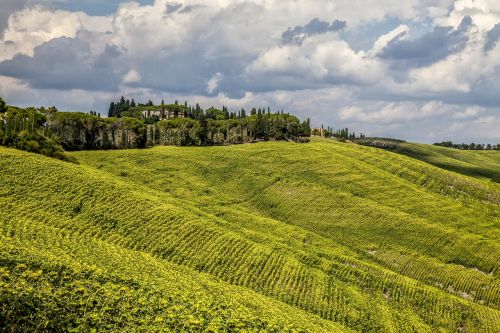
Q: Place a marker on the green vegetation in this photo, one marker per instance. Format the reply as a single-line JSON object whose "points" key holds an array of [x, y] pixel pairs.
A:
{"points": [[77, 131], [483, 164], [274, 236], [22, 129], [48, 131], [183, 125], [383, 143], [468, 146], [340, 134]]}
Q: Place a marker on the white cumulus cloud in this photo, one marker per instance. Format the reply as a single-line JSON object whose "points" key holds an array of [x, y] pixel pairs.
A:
{"points": [[131, 77], [401, 32]]}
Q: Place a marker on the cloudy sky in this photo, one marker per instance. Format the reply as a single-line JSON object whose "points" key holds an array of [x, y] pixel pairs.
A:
{"points": [[421, 70]]}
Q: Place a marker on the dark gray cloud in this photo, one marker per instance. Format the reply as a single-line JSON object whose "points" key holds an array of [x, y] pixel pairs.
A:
{"points": [[188, 72], [66, 63], [429, 48], [189, 9], [314, 27], [173, 7], [492, 38]]}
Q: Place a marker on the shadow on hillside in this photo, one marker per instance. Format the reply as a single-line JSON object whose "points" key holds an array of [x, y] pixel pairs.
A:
{"points": [[468, 170]]}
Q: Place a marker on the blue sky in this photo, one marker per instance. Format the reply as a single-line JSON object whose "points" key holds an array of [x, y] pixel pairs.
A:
{"points": [[421, 70], [93, 7]]}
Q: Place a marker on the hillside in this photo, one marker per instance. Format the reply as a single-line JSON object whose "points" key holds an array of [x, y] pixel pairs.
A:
{"points": [[482, 164], [273, 236]]}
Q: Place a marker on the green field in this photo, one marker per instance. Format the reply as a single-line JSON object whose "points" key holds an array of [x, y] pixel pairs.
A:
{"points": [[273, 236], [482, 164]]}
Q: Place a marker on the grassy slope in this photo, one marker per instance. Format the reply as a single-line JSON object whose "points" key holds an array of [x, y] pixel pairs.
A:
{"points": [[75, 251], [480, 164], [356, 236]]}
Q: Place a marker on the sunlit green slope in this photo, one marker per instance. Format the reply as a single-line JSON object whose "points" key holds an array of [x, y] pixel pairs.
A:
{"points": [[482, 164], [78, 249], [271, 236]]}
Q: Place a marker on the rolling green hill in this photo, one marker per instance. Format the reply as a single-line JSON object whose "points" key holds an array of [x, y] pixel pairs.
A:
{"points": [[274, 236], [482, 164]]}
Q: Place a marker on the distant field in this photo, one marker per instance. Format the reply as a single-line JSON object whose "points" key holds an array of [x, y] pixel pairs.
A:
{"points": [[482, 164], [274, 236]]}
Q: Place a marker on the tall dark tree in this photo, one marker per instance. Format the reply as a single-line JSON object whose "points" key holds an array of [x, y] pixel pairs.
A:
{"points": [[3, 106], [111, 112], [203, 132], [226, 112]]}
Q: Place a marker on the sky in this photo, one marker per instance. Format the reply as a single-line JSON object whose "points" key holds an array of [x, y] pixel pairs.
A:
{"points": [[419, 70]]}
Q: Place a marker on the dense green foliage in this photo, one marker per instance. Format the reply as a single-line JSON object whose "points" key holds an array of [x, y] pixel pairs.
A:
{"points": [[274, 236], [48, 131], [22, 129], [3, 106], [190, 132], [79, 131], [180, 124]]}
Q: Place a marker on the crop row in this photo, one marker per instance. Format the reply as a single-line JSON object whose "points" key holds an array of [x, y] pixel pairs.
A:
{"points": [[242, 248], [290, 282]]}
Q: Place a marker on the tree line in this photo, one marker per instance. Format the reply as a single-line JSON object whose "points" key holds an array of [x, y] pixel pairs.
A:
{"points": [[183, 124], [341, 134], [210, 131], [21, 129], [50, 132], [468, 146]]}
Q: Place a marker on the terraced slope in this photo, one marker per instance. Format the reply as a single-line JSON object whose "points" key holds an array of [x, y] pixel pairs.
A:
{"points": [[323, 236], [480, 164]]}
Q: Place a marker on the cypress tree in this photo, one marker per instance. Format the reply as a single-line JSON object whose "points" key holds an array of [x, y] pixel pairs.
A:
{"points": [[111, 112], [3, 106]]}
